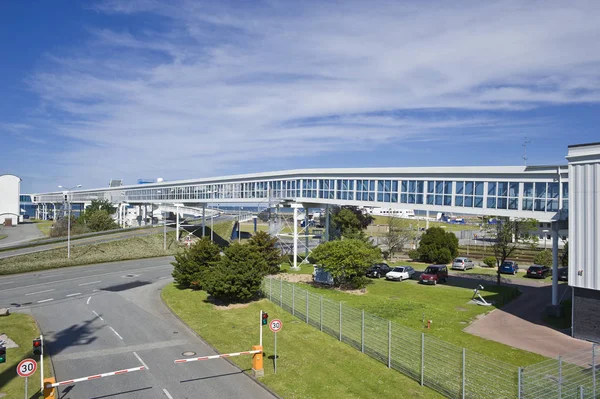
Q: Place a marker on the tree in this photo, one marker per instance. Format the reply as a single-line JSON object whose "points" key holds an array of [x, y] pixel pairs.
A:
{"points": [[266, 246], [191, 266], [346, 260], [543, 258], [238, 275], [349, 222], [564, 260], [100, 220], [60, 228], [507, 233], [101, 205], [398, 235], [438, 246]]}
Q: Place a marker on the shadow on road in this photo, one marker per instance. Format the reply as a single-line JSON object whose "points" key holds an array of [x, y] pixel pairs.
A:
{"points": [[214, 376], [117, 393], [75, 335], [126, 286]]}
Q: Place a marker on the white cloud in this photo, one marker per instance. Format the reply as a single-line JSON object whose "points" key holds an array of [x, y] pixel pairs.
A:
{"points": [[218, 86]]}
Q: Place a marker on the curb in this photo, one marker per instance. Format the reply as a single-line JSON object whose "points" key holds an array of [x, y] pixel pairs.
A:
{"points": [[215, 349]]}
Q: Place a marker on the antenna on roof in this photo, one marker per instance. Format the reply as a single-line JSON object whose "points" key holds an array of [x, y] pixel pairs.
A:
{"points": [[525, 142]]}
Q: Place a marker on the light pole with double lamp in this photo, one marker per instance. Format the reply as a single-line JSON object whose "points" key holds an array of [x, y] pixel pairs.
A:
{"points": [[68, 191]]}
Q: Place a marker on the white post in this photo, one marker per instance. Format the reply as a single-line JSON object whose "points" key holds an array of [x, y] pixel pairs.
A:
{"points": [[427, 220], [321, 313], [68, 226], [422, 357], [295, 265], [26, 383], [389, 344], [164, 214], [212, 219], [177, 224], [362, 332], [203, 220], [306, 307], [554, 263], [340, 321], [463, 372], [42, 363], [260, 326], [293, 300]]}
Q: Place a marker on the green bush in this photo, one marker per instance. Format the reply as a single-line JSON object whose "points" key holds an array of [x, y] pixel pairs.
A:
{"points": [[414, 254], [266, 246], [438, 246], [191, 266], [346, 260], [237, 276], [489, 261], [543, 258]]}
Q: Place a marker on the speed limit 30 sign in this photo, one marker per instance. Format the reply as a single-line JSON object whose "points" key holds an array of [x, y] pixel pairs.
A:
{"points": [[26, 367], [275, 325]]}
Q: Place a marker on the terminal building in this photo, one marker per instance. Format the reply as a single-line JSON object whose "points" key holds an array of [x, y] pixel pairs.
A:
{"points": [[558, 196], [10, 210]]}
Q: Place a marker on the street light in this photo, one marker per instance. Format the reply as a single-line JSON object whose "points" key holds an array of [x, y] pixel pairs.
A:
{"points": [[68, 190]]}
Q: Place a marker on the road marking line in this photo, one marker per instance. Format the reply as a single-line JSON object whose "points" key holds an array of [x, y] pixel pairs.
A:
{"points": [[141, 361], [116, 333], [97, 315], [91, 282], [45, 300], [77, 293], [7, 282], [88, 301], [39, 292], [167, 393]]}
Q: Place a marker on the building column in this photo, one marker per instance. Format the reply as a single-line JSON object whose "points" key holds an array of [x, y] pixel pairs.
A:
{"points": [[295, 237], [204, 221], [177, 223], [306, 232], [427, 220], [326, 223], [554, 263]]}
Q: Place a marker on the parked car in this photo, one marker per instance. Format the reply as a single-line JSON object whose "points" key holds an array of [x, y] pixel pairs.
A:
{"points": [[378, 270], [434, 274], [539, 271], [509, 267], [463, 264], [563, 273], [400, 273]]}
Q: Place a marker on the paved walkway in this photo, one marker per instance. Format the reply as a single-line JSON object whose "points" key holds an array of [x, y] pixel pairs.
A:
{"points": [[519, 324], [20, 233]]}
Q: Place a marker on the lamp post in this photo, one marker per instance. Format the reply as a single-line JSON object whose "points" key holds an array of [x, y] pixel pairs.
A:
{"points": [[69, 217], [545, 237]]}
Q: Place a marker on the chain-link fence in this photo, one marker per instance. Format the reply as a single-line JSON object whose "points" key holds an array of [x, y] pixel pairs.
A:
{"points": [[454, 372], [571, 376]]}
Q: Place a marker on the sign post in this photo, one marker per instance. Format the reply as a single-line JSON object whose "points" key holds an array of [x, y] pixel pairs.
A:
{"points": [[26, 368], [275, 326]]}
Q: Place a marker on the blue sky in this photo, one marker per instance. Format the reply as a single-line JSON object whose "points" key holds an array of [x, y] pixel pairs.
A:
{"points": [[94, 90]]}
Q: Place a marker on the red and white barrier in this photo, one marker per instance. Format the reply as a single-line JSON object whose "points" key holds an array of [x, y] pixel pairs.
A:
{"points": [[95, 377], [195, 359]]}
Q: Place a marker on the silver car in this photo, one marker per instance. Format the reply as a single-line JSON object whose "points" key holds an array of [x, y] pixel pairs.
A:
{"points": [[462, 264]]}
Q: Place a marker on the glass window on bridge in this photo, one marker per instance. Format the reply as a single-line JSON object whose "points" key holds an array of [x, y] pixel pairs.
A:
{"points": [[469, 194], [345, 189], [412, 191], [327, 188], [387, 191], [365, 190]]}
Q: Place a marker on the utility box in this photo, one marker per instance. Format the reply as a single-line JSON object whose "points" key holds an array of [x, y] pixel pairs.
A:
{"points": [[321, 276]]}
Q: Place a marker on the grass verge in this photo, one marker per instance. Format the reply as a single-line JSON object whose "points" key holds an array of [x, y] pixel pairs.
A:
{"points": [[22, 329], [131, 248], [310, 364], [45, 226], [411, 304]]}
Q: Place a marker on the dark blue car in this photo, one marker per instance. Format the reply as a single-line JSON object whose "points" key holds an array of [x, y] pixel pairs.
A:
{"points": [[509, 267]]}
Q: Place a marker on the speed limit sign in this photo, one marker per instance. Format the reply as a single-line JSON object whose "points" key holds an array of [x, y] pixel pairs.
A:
{"points": [[26, 367], [275, 325]]}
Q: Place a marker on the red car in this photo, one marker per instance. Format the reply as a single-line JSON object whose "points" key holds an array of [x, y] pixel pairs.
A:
{"points": [[434, 274]]}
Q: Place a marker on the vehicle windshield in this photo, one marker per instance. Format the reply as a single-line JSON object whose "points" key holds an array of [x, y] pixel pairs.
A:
{"points": [[398, 269], [431, 270], [458, 260], [535, 267], [509, 264]]}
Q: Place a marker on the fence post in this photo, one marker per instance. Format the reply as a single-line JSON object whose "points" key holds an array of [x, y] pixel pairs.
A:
{"points": [[581, 392], [280, 292], [422, 356], [306, 307], [559, 377], [520, 370], [362, 332], [271, 289], [293, 300], [340, 321], [389, 344], [321, 314], [593, 370], [464, 355]]}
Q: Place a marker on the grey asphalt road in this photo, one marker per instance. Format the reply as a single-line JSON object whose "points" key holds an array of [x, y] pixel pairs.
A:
{"points": [[102, 318], [20, 233]]}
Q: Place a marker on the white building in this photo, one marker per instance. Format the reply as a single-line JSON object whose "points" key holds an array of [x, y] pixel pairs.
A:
{"points": [[10, 209]]}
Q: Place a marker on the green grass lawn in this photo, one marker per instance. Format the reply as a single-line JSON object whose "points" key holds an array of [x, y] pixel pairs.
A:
{"points": [[383, 220], [44, 226], [409, 303], [310, 364], [130, 248], [22, 329]]}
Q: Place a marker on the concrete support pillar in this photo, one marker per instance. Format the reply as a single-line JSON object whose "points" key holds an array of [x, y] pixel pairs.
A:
{"points": [[139, 217], [326, 223], [427, 221], [204, 221], [306, 232], [554, 263], [295, 237], [54, 212], [177, 224]]}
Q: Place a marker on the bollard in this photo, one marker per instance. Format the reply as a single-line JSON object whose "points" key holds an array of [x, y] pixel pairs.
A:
{"points": [[49, 392], [257, 362]]}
